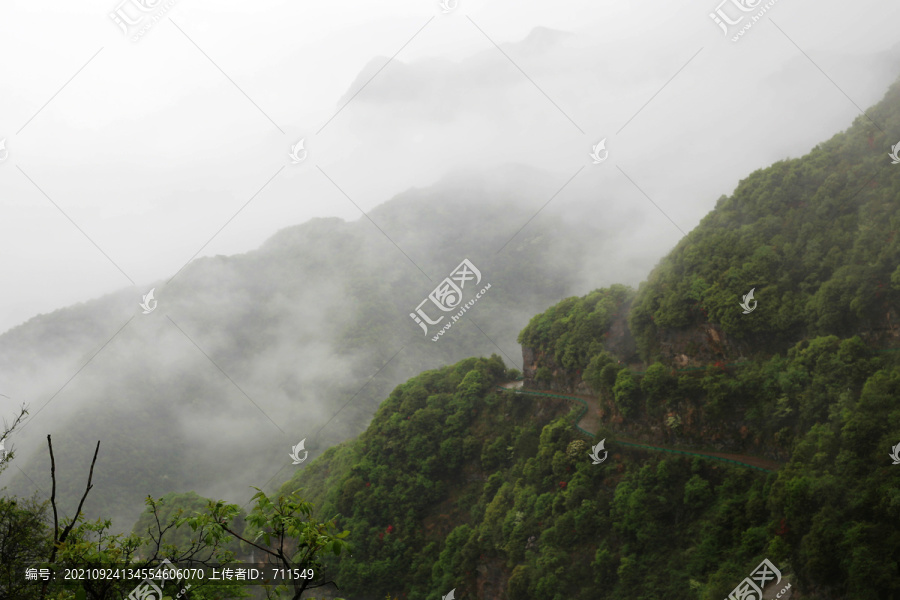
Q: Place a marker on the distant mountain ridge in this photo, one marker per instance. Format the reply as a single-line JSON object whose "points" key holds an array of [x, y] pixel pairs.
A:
{"points": [[267, 346]]}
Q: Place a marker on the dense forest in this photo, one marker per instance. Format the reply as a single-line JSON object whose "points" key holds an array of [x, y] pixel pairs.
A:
{"points": [[808, 378], [459, 483]]}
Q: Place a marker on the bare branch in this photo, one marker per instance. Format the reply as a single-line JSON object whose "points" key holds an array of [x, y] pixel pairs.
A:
{"points": [[7, 429], [53, 498], [71, 524]]}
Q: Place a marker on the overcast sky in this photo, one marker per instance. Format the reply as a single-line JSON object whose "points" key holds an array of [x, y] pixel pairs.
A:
{"points": [[126, 158]]}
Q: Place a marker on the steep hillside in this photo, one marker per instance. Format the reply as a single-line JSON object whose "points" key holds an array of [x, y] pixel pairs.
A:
{"points": [[815, 237], [458, 485]]}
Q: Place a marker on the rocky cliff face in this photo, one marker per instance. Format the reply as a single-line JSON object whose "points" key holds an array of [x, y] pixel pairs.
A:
{"points": [[706, 343], [618, 340], [885, 330], [699, 346], [693, 350], [684, 422], [561, 380]]}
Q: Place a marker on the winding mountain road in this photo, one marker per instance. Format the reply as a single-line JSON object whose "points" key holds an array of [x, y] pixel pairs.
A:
{"points": [[590, 416]]}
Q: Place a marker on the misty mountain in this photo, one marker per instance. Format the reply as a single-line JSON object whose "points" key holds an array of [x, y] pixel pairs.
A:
{"points": [[415, 342], [246, 355]]}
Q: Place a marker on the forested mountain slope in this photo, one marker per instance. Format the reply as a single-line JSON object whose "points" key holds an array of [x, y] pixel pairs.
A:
{"points": [[458, 485], [817, 237], [815, 240]]}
